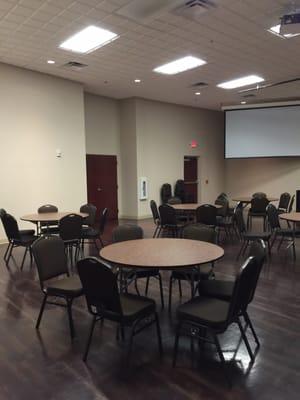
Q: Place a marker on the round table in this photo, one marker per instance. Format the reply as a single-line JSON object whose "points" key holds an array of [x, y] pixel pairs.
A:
{"points": [[161, 253], [189, 206], [293, 217], [49, 217], [247, 199]]}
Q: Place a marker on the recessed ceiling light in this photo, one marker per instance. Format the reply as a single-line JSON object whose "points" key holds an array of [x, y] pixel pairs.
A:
{"points": [[276, 31], [137, 81], [243, 102], [180, 65], [51, 62], [240, 82], [197, 93], [88, 40]]}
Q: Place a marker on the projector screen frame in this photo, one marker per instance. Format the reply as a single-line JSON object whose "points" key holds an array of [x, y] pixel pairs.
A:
{"points": [[256, 107]]}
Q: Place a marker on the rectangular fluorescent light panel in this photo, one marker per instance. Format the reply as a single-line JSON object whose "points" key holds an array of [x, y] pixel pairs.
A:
{"points": [[276, 31], [240, 82], [180, 65], [88, 40]]}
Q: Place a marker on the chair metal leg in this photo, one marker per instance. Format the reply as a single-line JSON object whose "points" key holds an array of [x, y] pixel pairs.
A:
{"points": [[71, 323], [25, 253], [88, 343], [41, 311], [180, 288], [221, 355], [160, 348], [7, 251], [155, 232], [136, 287], [130, 345], [248, 322], [241, 250], [170, 293], [245, 340], [147, 286], [175, 351], [246, 246], [101, 242], [161, 291]]}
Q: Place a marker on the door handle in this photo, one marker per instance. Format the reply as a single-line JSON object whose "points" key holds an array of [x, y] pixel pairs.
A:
{"points": [[99, 189]]}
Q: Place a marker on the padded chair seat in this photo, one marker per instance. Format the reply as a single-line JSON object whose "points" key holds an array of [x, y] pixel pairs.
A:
{"points": [[25, 240], [207, 310], [257, 235], [216, 288], [135, 307], [204, 273], [90, 233], [70, 287], [27, 232]]}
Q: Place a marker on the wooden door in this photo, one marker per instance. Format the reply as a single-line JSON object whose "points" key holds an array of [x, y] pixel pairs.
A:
{"points": [[102, 187], [191, 179]]}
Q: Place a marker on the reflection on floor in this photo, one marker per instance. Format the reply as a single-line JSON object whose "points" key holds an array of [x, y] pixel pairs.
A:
{"points": [[45, 364]]}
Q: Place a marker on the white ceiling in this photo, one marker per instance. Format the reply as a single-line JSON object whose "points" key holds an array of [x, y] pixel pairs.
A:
{"points": [[232, 38]]}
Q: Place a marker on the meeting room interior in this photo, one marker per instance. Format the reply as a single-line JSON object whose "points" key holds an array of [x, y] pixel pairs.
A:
{"points": [[150, 199]]}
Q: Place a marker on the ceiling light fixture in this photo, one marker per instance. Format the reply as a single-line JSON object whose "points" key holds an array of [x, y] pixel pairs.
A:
{"points": [[276, 31], [51, 62], [240, 82], [197, 93], [137, 81], [88, 40], [180, 65], [243, 102]]}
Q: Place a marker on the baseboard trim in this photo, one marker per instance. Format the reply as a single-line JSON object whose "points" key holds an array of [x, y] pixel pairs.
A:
{"points": [[135, 217], [3, 241]]}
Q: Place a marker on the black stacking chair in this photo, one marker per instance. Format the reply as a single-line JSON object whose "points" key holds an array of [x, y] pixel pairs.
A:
{"points": [[51, 261], [168, 221], [91, 210], [126, 232], [259, 195], [179, 190], [22, 231], [246, 236], [165, 192], [291, 205], [277, 231], [224, 219], [156, 217], [45, 227], [193, 275], [92, 234], [16, 238], [284, 202], [258, 210], [223, 290], [104, 302], [207, 214], [207, 317], [70, 230]]}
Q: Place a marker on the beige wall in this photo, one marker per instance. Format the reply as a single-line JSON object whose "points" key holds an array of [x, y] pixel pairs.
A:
{"points": [[40, 114], [164, 132], [270, 175], [102, 131]]}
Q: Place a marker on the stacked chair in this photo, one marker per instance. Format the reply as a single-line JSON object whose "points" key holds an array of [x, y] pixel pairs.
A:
{"points": [[90, 233]]}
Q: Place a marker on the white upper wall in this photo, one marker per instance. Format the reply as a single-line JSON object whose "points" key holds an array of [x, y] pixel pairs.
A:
{"points": [[164, 134], [40, 114]]}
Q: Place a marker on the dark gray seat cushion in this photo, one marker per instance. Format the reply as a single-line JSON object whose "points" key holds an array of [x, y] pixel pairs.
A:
{"points": [[70, 286], [216, 288], [135, 307]]}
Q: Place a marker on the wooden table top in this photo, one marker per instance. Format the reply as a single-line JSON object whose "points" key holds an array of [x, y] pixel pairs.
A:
{"points": [[49, 217], [292, 216], [190, 206], [162, 253], [247, 199]]}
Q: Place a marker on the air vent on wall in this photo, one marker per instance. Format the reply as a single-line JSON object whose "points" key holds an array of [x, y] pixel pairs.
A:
{"points": [[194, 9], [74, 65]]}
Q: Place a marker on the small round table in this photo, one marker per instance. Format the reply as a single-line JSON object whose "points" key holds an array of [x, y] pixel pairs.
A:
{"points": [[247, 199], [49, 217], [293, 217], [190, 206], [161, 253]]}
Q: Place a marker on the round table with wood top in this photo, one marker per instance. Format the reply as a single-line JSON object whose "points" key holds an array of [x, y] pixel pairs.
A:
{"points": [[247, 199], [190, 206], [161, 253], [49, 217], [293, 217]]}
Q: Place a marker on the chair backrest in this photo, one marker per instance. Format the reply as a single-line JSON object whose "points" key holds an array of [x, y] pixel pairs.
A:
{"points": [[103, 220], [200, 232], [47, 208], [258, 251], [2, 212], [179, 190], [291, 204], [206, 214], [11, 227], [259, 195], [167, 215], [50, 257], [224, 202], [259, 204], [70, 227], [165, 192], [272, 215], [284, 201], [239, 218], [244, 287], [127, 232], [174, 200], [154, 210], [100, 287], [91, 210]]}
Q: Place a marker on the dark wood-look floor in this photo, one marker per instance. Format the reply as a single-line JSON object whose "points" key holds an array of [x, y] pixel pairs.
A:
{"points": [[45, 365]]}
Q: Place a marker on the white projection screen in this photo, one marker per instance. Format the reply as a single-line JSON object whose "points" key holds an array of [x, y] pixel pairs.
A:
{"points": [[262, 132]]}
